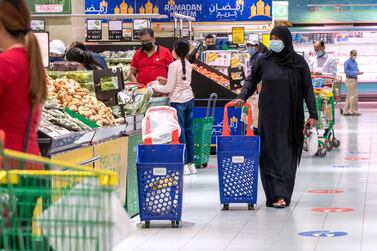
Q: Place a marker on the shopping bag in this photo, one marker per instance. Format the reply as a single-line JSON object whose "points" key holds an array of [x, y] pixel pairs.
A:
{"points": [[313, 141], [106, 222], [160, 126]]}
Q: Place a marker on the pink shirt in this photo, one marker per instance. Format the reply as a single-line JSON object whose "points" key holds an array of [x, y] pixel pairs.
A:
{"points": [[179, 90]]}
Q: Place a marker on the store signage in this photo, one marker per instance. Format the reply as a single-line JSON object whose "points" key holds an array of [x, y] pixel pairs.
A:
{"points": [[94, 29], [280, 10], [332, 210], [202, 11], [50, 7], [325, 191], [115, 30], [323, 234], [37, 25], [138, 25], [238, 35]]}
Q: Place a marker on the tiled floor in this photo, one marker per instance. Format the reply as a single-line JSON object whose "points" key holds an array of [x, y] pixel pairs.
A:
{"points": [[352, 169]]}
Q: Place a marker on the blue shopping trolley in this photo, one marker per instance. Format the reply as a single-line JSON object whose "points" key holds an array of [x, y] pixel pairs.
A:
{"points": [[238, 161], [160, 180]]}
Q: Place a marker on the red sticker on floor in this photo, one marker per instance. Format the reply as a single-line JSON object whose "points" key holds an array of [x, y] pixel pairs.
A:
{"points": [[325, 191], [332, 210], [356, 158]]}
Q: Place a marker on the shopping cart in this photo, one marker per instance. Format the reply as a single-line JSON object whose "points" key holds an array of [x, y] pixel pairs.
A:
{"points": [[202, 130], [160, 180], [238, 161], [63, 207]]}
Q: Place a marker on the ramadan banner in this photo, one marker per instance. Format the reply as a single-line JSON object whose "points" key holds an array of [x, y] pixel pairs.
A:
{"points": [[203, 11]]}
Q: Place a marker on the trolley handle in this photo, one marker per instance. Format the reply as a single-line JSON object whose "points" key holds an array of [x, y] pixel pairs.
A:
{"points": [[211, 104], [226, 132], [324, 77]]}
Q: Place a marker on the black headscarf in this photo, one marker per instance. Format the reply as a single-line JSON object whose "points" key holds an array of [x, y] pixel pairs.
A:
{"points": [[290, 59], [287, 57]]}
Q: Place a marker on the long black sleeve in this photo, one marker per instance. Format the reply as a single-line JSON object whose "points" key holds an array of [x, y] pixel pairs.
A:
{"points": [[309, 93], [252, 81]]}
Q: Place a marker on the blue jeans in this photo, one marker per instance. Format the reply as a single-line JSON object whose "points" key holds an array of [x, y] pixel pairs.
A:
{"points": [[185, 114]]}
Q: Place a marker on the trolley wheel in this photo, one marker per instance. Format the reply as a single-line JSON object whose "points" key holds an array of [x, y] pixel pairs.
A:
{"points": [[329, 146], [147, 224], [336, 143], [250, 207], [226, 207], [321, 152], [205, 165], [174, 224]]}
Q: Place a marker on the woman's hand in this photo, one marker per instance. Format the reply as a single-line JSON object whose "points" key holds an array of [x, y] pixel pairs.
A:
{"points": [[162, 80], [238, 102], [310, 123]]}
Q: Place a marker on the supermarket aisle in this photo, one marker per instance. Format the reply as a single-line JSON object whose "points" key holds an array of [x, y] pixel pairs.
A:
{"points": [[352, 170]]}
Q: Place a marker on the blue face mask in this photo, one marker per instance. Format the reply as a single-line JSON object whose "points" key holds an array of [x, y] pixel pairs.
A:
{"points": [[277, 46], [251, 50], [320, 53], [56, 59]]}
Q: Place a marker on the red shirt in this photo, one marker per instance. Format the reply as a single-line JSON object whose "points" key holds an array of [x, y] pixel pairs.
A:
{"points": [[149, 68], [14, 101]]}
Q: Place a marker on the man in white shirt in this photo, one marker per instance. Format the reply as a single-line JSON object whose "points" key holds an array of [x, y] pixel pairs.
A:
{"points": [[322, 63]]}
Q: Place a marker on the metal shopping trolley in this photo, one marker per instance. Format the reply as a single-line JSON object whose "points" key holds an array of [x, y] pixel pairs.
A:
{"points": [[160, 179], [63, 207], [238, 161], [202, 130]]}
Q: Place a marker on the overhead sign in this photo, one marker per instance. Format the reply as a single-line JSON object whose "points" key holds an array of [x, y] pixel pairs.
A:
{"points": [[322, 234], [332, 210], [202, 11], [280, 10], [50, 7], [238, 35]]}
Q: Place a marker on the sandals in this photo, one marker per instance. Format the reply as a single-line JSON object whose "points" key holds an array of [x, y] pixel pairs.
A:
{"points": [[280, 203]]}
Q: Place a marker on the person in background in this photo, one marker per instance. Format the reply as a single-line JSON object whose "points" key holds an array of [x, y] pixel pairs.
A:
{"points": [[209, 42], [256, 51], [85, 58], [101, 60], [57, 51], [286, 85], [23, 81], [322, 63], [351, 69], [150, 61], [178, 86]]}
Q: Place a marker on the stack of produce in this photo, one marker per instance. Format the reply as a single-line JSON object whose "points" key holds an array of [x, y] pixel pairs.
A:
{"points": [[70, 94], [55, 114], [212, 75], [120, 59]]}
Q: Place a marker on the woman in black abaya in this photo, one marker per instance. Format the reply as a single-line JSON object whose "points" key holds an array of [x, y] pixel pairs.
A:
{"points": [[286, 85]]}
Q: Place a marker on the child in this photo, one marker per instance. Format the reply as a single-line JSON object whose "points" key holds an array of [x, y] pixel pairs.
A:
{"points": [[178, 85]]}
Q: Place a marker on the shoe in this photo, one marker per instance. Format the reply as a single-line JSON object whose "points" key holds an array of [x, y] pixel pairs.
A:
{"points": [[341, 111], [192, 168], [347, 114], [186, 170], [356, 114], [280, 204]]}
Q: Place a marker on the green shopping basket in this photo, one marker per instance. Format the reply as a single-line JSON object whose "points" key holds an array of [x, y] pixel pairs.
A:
{"points": [[202, 130]]}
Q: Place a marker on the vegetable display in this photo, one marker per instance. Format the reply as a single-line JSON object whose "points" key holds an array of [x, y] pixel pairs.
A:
{"points": [[211, 75]]}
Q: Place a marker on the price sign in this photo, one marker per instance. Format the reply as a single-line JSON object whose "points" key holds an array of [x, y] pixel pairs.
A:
{"points": [[238, 35], [115, 30], [138, 25], [94, 29]]}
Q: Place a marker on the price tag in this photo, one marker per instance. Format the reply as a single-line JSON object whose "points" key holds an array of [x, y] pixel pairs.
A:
{"points": [[238, 159], [159, 171]]}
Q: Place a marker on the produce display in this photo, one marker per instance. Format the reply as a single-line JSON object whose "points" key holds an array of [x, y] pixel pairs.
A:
{"points": [[120, 59], [70, 94], [212, 75], [84, 78]]}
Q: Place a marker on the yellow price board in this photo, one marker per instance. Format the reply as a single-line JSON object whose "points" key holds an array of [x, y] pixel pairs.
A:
{"points": [[238, 35], [266, 40]]}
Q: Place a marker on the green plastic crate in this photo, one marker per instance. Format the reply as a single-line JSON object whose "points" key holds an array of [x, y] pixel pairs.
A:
{"points": [[202, 130]]}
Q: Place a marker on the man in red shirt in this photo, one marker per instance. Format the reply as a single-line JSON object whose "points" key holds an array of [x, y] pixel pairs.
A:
{"points": [[151, 61]]}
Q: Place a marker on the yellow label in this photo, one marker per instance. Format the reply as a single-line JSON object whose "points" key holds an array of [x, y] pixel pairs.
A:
{"points": [[238, 35]]}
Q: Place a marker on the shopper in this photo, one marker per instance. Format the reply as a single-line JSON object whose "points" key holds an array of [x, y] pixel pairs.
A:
{"points": [[85, 58], [101, 60], [151, 61], [256, 50], [178, 85], [23, 85], [57, 51], [322, 63], [286, 85], [210, 42], [351, 69]]}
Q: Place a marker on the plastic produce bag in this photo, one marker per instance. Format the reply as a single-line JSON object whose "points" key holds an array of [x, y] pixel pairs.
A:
{"points": [[92, 209], [159, 124], [313, 141]]}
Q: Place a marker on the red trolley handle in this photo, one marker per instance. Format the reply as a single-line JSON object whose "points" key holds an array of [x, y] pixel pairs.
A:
{"points": [[226, 131], [323, 77]]}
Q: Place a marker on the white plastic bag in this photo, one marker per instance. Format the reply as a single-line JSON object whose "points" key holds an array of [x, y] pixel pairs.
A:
{"points": [[160, 124], [313, 141]]}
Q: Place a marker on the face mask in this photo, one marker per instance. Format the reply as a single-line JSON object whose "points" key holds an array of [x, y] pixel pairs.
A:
{"points": [[251, 50], [56, 59], [277, 46], [354, 57], [147, 46], [320, 53], [211, 47]]}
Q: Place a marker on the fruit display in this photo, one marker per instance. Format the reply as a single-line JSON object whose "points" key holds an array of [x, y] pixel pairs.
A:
{"points": [[70, 94], [211, 75], [55, 114], [120, 59], [84, 78]]}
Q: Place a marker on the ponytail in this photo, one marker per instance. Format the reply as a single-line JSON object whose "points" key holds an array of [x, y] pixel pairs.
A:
{"points": [[183, 60], [37, 73]]}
